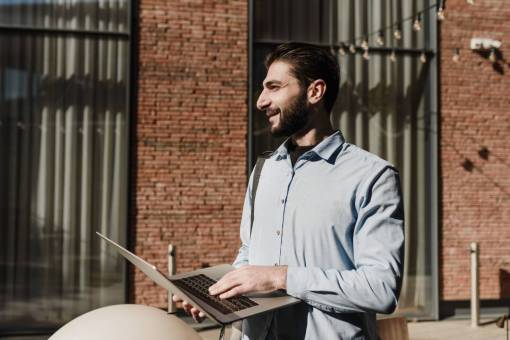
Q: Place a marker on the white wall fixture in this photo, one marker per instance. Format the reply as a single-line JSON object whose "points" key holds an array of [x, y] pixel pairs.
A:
{"points": [[484, 44]]}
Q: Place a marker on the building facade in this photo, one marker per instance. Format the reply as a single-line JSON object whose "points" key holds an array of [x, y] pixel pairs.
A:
{"points": [[137, 119]]}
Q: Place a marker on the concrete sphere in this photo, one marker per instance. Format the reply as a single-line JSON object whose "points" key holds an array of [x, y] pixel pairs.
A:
{"points": [[126, 322]]}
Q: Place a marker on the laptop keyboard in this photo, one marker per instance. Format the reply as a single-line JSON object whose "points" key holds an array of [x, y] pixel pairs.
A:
{"points": [[198, 286]]}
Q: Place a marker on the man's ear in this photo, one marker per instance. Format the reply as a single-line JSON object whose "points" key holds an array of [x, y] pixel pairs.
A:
{"points": [[316, 91]]}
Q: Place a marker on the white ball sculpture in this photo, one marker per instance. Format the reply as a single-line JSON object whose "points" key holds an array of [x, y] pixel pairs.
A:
{"points": [[126, 322]]}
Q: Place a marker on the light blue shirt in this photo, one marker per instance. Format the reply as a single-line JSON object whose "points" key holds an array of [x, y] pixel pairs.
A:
{"points": [[336, 220]]}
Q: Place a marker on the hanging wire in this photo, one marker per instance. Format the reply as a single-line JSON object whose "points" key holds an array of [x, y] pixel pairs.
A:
{"points": [[397, 25]]}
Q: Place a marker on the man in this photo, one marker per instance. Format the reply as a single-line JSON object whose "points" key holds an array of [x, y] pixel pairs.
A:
{"points": [[328, 218]]}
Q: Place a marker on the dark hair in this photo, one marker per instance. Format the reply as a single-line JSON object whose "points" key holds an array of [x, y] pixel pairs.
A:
{"points": [[308, 63]]}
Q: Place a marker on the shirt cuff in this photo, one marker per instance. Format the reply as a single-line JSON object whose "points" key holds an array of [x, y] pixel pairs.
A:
{"points": [[296, 281]]}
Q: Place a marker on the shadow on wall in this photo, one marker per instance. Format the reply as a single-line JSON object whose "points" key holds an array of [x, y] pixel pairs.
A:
{"points": [[498, 62]]}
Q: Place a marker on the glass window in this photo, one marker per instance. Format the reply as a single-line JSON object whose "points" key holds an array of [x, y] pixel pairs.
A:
{"points": [[63, 150], [89, 15], [385, 104]]}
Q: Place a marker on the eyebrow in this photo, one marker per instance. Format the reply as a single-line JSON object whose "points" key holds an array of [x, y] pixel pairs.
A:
{"points": [[271, 82]]}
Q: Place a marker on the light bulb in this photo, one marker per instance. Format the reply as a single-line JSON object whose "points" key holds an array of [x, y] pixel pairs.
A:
{"points": [[366, 56], [364, 44], [397, 33], [341, 50], [492, 56], [352, 48], [440, 14], [456, 55], [423, 57], [380, 38], [393, 56], [417, 23], [471, 2]]}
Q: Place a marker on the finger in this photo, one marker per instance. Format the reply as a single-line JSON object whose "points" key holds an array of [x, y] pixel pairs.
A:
{"points": [[197, 315], [187, 306], [227, 279], [194, 312], [217, 286], [226, 283], [198, 318], [238, 290]]}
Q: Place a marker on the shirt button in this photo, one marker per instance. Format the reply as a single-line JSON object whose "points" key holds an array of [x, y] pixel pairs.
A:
{"points": [[278, 232], [275, 264], [283, 200]]}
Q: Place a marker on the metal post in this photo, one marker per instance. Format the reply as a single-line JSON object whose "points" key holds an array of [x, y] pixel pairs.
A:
{"points": [[171, 271], [475, 289]]}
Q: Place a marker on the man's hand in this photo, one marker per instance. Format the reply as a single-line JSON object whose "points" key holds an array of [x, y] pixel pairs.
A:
{"points": [[194, 312], [250, 279]]}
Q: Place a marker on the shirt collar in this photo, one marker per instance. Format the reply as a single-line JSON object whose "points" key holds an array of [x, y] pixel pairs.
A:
{"points": [[325, 149]]}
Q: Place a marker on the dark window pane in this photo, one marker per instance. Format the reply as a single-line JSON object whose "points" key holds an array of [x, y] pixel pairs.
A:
{"points": [[93, 15], [63, 150]]}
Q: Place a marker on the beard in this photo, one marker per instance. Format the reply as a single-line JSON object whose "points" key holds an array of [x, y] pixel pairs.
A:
{"points": [[293, 118]]}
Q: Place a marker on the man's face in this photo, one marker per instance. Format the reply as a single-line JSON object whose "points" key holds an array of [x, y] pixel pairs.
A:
{"points": [[283, 100]]}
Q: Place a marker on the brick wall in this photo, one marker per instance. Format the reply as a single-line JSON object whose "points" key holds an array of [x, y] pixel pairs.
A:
{"points": [[475, 105], [191, 134]]}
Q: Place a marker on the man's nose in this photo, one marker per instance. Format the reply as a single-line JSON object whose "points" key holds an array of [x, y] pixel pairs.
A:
{"points": [[263, 101]]}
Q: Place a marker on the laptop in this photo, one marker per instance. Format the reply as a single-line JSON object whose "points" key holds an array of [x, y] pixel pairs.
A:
{"points": [[193, 286]]}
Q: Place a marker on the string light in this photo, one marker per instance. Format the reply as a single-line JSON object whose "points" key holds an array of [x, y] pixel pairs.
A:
{"points": [[393, 56], [364, 43], [417, 23], [365, 55], [471, 2], [440, 10], [440, 14], [456, 55], [492, 56], [341, 50], [398, 32], [423, 57], [380, 38]]}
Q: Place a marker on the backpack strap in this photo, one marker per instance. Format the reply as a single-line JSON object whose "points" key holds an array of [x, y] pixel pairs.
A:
{"points": [[256, 176]]}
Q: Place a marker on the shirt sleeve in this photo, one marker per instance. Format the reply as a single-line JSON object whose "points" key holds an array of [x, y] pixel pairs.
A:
{"points": [[378, 247], [244, 229]]}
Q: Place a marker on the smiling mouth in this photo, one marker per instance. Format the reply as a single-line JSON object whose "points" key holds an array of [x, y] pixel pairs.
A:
{"points": [[271, 113]]}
